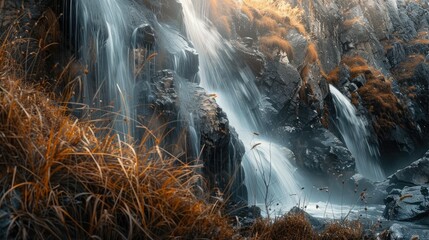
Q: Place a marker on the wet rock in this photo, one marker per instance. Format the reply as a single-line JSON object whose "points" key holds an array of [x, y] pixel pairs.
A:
{"points": [[415, 174], [299, 45], [408, 204], [280, 82], [403, 232], [244, 215], [408, 198], [188, 63], [344, 74], [176, 52], [370, 192], [319, 152], [250, 56], [169, 11], [143, 37]]}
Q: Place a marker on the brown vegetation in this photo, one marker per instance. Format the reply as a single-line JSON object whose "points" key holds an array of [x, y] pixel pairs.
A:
{"points": [[343, 230], [274, 43], [297, 227], [405, 70]]}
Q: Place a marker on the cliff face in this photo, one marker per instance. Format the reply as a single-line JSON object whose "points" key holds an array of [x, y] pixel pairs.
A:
{"points": [[392, 38], [373, 51]]}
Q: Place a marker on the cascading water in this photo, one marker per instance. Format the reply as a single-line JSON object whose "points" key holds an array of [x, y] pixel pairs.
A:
{"points": [[354, 131], [265, 163], [101, 27]]}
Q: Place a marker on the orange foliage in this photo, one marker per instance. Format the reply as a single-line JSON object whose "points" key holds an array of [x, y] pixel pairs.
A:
{"points": [[312, 56], [268, 44], [266, 24]]}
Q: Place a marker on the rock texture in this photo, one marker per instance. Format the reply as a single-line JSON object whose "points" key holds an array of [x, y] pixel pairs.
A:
{"points": [[408, 198]]}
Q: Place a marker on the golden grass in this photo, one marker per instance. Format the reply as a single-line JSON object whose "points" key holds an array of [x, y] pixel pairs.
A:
{"points": [[64, 178], [279, 11]]}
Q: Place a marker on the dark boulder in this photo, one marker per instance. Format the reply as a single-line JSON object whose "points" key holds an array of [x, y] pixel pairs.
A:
{"points": [[408, 198], [404, 232], [319, 152], [280, 82], [415, 174], [408, 204]]}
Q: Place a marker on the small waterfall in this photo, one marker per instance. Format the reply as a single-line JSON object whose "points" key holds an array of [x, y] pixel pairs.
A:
{"points": [[103, 51], [354, 131], [264, 162]]}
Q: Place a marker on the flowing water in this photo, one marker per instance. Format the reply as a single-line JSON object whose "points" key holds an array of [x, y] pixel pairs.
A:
{"points": [[265, 163], [103, 51], [356, 135]]}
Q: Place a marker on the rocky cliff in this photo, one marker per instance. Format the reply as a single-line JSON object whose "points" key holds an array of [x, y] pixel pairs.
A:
{"points": [[373, 51]]}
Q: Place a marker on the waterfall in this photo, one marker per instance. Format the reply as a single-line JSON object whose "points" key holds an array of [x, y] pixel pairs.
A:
{"points": [[265, 163], [103, 52], [356, 135]]}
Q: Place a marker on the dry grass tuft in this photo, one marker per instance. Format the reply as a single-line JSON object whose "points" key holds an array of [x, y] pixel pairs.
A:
{"points": [[340, 231], [297, 227], [293, 226], [273, 45]]}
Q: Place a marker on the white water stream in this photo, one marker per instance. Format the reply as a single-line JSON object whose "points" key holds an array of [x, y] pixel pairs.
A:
{"points": [[104, 55], [356, 135], [265, 163]]}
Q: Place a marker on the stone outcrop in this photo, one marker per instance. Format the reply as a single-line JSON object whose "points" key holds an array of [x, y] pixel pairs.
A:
{"points": [[408, 198], [383, 33], [187, 109]]}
